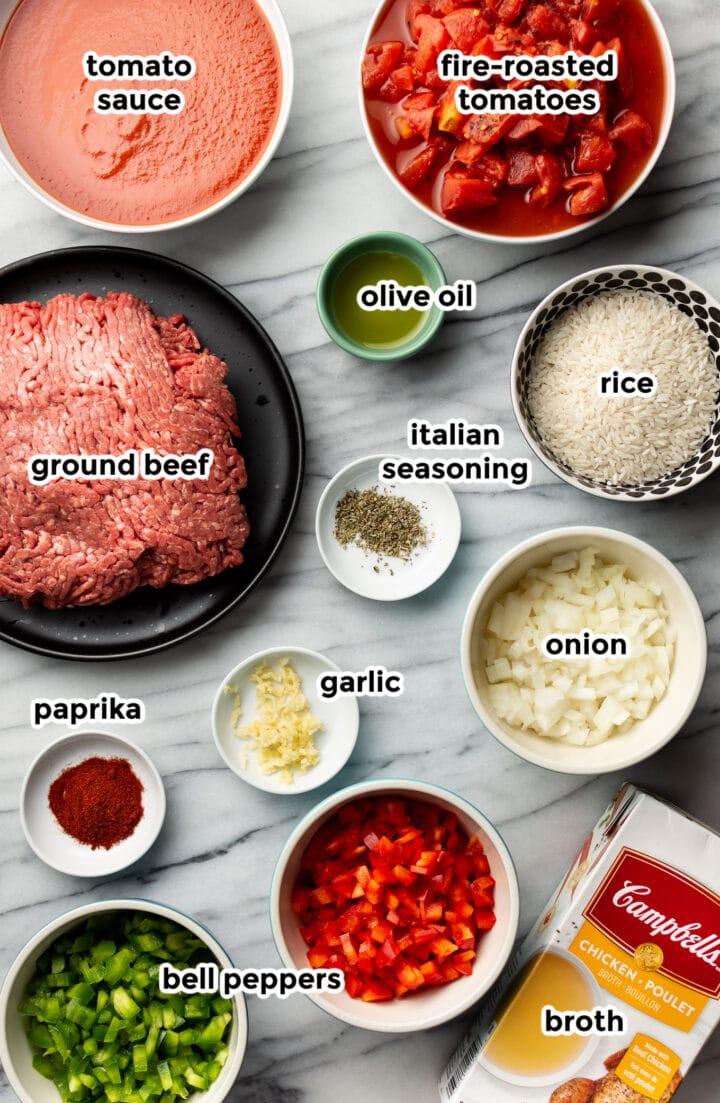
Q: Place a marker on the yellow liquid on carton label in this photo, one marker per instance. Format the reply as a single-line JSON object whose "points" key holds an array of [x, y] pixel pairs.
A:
{"points": [[518, 1044]]}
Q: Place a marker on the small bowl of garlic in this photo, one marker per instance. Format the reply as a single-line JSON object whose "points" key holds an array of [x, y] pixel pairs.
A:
{"points": [[281, 723], [584, 650]]}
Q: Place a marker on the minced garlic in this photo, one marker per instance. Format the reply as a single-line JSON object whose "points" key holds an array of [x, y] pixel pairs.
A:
{"points": [[282, 732]]}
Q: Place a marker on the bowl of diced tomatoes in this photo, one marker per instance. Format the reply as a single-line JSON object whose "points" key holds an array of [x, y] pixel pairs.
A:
{"points": [[407, 889], [516, 177]]}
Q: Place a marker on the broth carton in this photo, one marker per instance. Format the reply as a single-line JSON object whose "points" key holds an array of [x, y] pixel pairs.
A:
{"points": [[617, 986]]}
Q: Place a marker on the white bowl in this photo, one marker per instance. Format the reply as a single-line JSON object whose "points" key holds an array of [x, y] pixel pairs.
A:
{"points": [[16, 1053], [425, 1009], [585, 224], [277, 25], [354, 567], [688, 671], [44, 833], [340, 716], [685, 296]]}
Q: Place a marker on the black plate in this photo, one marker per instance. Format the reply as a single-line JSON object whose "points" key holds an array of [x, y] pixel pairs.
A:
{"points": [[272, 443]]}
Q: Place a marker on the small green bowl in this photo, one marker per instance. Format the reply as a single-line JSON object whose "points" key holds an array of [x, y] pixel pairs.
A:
{"points": [[380, 242]]}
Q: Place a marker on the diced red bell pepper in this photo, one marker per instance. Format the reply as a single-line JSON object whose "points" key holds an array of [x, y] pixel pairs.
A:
{"points": [[378, 63], [589, 194], [410, 976], [388, 951], [392, 939], [484, 897], [632, 130], [353, 985], [374, 990]]}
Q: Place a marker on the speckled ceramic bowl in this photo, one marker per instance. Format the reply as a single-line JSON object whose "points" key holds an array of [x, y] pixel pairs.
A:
{"points": [[682, 293]]}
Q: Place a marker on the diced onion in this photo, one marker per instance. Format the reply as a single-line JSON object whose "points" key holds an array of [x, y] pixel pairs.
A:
{"points": [[582, 701]]}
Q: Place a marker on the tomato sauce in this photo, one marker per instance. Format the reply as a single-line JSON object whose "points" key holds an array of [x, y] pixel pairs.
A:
{"points": [[513, 215], [150, 168]]}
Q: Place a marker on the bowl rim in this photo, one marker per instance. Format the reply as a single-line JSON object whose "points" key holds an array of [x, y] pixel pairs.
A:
{"points": [[160, 807], [68, 918], [294, 789], [556, 235], [544, 457], [375, 241], [321, 538], [581, 532], [418, 790], [278, 26]]}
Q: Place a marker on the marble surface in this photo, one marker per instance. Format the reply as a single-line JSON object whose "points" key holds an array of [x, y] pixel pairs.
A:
{"points": [[216, 852]]}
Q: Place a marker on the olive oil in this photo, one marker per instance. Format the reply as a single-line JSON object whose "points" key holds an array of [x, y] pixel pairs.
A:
{"points": [[376, 329], [518, 1045]]}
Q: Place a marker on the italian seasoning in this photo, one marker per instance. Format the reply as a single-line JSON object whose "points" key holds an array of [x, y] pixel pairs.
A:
{"points": [[380, 522]]}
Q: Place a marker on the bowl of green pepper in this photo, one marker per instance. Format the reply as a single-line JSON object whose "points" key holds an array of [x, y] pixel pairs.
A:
{"points": [[82, 1018]]}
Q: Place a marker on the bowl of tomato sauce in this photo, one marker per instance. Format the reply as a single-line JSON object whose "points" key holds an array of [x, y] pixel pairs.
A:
{"points": [[136, 115], [408, 891], [505, 174]]}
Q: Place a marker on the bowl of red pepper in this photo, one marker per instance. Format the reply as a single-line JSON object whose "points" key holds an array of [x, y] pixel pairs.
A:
{"points": [[503, 155], [408, 890], [92, 804]]}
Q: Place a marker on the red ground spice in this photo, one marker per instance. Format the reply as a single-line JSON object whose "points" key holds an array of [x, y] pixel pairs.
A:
{"points": [[98, 802]]}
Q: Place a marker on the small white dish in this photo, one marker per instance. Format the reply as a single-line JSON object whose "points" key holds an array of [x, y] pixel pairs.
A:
{"points": [[340, 717], [355, 568], [45, 835]]}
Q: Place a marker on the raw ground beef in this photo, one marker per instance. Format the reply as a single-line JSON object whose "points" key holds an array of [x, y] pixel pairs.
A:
{"points": [[87, 375]]}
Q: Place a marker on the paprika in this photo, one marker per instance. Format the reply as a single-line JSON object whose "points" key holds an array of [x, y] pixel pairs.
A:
{"points": [[98, 802]]}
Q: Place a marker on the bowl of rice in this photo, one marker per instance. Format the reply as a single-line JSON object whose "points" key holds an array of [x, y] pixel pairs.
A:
{"points": [[616, 381], [541, 655]]}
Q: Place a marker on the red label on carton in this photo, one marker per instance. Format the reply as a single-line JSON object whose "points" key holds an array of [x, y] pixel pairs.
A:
{"points": [[642, 900]]}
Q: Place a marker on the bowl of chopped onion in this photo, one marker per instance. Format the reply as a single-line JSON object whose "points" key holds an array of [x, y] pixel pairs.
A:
{"points": [[584, 650]]}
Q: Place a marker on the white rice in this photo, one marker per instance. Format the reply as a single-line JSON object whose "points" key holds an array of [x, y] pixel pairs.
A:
{"points": [[628, 440]]}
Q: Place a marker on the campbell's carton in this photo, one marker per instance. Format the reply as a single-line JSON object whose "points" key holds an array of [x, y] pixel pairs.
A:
{"points": [[616, 988]]}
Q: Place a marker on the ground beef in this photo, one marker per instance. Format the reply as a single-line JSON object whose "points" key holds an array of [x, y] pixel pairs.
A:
{"points": [[87, 375]]}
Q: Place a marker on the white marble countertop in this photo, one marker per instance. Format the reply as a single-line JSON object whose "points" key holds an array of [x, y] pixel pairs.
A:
{"points": [[216, 852]]}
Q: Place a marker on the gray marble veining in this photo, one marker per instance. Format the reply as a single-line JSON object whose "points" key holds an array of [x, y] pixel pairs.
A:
{"points": [[217, 849]]}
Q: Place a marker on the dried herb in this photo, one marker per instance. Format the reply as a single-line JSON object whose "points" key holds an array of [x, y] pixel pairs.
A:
{"points": [[380, 522]]}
